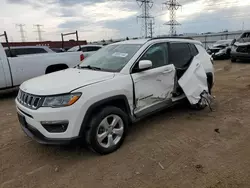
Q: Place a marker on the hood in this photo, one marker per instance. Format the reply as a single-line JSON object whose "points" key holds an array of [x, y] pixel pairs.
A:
{"points": [[218, 46], [64, 81], [242, 43]]}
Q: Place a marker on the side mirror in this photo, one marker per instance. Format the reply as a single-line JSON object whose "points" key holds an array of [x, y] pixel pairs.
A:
{"points": [[234, 40], [145, 64]]}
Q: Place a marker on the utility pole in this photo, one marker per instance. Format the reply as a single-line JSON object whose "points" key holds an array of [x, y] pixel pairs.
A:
{"points": [[172, 6], [39, 31], [151, 28], [146, 5], [21, 30]]}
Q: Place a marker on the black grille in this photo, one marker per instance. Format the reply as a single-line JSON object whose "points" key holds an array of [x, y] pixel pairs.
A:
{"points": [[29, 100], [243, 49]]}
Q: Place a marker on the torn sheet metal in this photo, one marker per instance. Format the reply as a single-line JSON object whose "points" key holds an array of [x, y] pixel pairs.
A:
{"points": [[194, 82]]}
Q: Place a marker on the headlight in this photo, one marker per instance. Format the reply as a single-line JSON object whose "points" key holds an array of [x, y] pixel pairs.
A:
{"points": [[61, 100]]}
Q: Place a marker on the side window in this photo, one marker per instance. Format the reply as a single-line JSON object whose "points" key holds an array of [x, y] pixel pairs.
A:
{"points": [[83, 49], [157, 54], [180, 55], [27, 51], [37, 51], [193, 49], [7, 53], [21, 51], [92, 48]]}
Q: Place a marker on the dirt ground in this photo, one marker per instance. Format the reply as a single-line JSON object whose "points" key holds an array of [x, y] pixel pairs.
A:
{"points": [[178, 147]]}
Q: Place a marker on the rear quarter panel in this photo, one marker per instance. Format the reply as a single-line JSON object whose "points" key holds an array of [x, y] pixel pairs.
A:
{"points": [[205, 59]]}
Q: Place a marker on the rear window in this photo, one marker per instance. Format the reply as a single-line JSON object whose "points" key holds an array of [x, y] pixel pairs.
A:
{"points": [[7, 53], [24, 51], [27, 51]]}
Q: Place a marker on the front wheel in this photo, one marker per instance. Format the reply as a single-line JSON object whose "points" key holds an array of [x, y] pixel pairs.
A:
{"points": [[233, 59], [107, 130]]}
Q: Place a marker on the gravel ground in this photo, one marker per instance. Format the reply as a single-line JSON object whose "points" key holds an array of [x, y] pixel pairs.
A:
{"points": [[178, 147]]}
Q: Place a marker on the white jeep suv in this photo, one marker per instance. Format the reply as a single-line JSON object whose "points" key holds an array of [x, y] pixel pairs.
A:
{"points": [[120, 84]]}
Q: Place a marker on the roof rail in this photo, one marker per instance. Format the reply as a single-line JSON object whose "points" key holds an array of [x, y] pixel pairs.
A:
{"points": [[174, 37]]}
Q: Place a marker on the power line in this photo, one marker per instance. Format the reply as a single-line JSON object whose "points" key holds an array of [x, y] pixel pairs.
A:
{"points": [[146, 5], [172, 6], [39, 31], [21, 30], [151, 28]]}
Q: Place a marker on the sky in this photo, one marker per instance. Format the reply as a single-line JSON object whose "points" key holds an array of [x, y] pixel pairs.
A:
{"points": [[113, 19]]}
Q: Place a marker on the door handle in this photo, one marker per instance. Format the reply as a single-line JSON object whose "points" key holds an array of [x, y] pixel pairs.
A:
{"points": [[167, 71]]}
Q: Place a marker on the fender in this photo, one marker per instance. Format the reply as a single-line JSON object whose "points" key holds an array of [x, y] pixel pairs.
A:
{"points": [[108, 101]]}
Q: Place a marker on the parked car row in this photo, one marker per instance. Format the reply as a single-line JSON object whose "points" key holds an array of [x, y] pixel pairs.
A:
{"points": [[28, 50], [236, 49], [221, 49], [241, 48]]}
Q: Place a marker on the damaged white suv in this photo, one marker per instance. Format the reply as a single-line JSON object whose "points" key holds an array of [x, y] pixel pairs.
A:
{"points": [[118, 85]]}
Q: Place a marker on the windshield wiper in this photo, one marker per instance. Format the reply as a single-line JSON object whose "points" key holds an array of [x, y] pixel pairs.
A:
{"points": [[89, 67]]}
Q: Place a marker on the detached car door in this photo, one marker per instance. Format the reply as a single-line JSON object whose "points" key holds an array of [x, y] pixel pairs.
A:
{"points": [[190, 73], [153, 87]]}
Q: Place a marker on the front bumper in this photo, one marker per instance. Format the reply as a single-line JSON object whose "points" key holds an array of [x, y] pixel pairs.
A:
{"points": [[219, 56], [239, 55], [39, 137], [31, 123]]}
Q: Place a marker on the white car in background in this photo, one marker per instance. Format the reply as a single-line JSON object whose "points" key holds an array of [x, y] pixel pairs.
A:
{"points": [[14, 70], [87, 50], [119, 84]]}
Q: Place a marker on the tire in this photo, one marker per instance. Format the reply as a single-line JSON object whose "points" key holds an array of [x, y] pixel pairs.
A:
{"points": [[233, 59], [199, 106], [101, 127], [228, 55]]}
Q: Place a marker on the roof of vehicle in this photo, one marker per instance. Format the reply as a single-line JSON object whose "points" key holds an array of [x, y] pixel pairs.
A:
{"points": [[143, 41], [90, 45], [227, 40]]}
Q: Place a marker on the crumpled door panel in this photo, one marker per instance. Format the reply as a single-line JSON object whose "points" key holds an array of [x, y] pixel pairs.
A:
{"points": [[194, 82]]}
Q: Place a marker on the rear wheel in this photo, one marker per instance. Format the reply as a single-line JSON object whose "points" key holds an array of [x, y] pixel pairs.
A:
{"points": [[107, 130], [228, 54]]}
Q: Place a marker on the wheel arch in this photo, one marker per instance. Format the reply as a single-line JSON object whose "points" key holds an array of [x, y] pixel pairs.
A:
{"points": [[119, 101]]}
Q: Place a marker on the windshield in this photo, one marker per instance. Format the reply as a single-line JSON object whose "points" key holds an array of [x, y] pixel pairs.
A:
{"points": [[245, 37], [112, 58]]}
